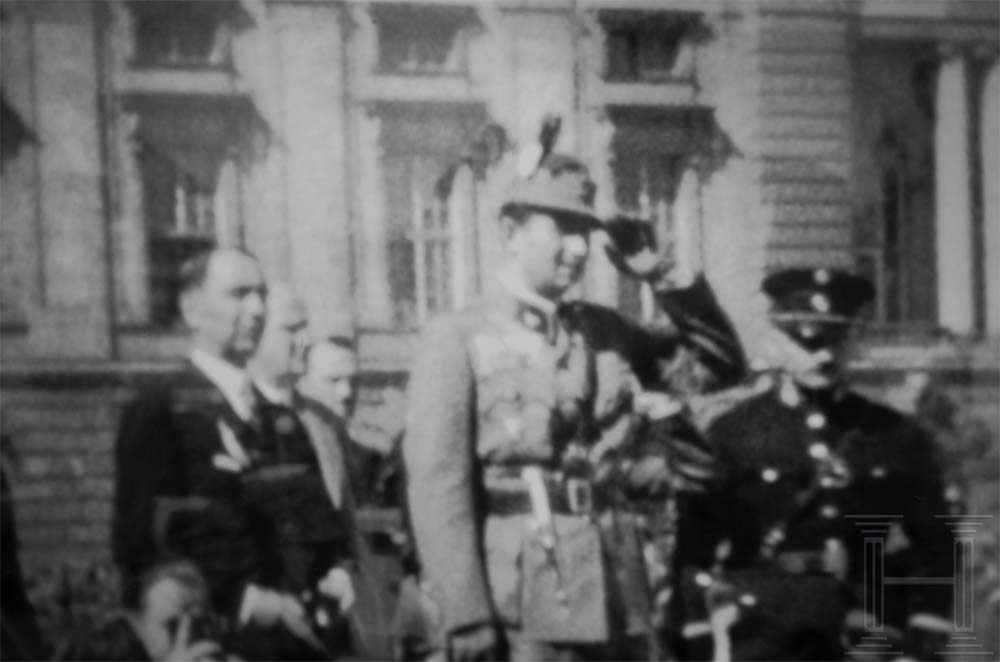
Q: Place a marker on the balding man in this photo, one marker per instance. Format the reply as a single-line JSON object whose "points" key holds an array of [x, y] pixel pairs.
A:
{"points": [[189, 460]]}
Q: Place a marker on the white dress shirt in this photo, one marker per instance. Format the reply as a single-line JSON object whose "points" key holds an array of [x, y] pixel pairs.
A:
{"points": [[234, 382]]}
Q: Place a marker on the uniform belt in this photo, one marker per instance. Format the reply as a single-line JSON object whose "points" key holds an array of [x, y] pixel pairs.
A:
{"points": [[507, 493]]}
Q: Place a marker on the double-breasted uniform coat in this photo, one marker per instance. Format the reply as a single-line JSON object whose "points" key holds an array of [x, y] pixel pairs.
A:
{"points": [[822, 496]]}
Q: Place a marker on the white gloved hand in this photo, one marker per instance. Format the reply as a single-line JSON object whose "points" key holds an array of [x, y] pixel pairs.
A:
{"points": [[266, 608], [337, 585]]}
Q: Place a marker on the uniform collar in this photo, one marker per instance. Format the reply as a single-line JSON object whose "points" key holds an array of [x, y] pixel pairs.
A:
{"points": [[232, 381], [513, 283], [531, 310]]}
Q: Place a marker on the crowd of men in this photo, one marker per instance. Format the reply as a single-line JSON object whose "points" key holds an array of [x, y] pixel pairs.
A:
{"points": [[579, 485]]}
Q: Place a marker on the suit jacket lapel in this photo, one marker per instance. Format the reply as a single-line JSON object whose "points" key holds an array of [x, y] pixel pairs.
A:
{"points": [[327, 444], [214, 406]]}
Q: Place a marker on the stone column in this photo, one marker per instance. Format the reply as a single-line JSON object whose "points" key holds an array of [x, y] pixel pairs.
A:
{"points": [[317, 220], [225, 206], [989, 133], [73, 319], [953, 218], [597, 131], [460, 218], [131, 242], [687, 225], [373, 253]]}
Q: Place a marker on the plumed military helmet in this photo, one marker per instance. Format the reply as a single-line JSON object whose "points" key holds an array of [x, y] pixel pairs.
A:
{"points": [[561, 186], [820, 295]]}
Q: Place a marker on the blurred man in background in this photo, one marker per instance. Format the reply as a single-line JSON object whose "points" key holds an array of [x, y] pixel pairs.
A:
{"points": [[305, 487], [331, 375], [331, 380], [170, 621]]}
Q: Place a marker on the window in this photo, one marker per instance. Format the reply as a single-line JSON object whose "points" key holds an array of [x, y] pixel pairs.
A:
{"points": [[187, 158], [894, 213], [650, 47], [422, 40], [182, 34], [180, 220], [429, 244]]}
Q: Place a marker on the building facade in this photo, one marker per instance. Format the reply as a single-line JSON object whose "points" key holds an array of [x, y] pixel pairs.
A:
{"points": [[359, 148]]}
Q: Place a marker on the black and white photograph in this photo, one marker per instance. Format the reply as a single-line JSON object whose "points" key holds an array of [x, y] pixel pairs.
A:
{"points": [[475, 330]]}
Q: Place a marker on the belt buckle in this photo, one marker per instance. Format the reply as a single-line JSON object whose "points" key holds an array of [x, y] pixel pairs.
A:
{"points": [[579, 496]]}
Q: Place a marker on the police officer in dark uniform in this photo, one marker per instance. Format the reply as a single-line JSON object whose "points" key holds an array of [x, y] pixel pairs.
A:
{"points": [[824, 497]]}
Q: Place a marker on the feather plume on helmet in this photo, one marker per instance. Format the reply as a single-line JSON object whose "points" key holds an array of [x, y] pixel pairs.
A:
{"points": [[552, 182], [560, 184]]}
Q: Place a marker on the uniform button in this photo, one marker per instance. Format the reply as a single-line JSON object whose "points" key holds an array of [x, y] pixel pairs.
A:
{"points": [[789, 395], [774, 536], [819, 451], [703, 579], [827, 482], [513, 426], [878, 472], [952, 493], [820, 303], [748, 600], [829, 511], [816, 421], [769, 475]]}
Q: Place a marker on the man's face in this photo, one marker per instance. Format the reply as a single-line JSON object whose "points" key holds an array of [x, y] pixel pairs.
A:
{"points": [[550, 254], [281, 353], [165, 603], [826, 344], [333, 372], [227, 312]]}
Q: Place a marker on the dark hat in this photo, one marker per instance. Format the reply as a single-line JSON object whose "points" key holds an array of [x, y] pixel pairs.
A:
{"points": [[561, 186], [820, 295]]}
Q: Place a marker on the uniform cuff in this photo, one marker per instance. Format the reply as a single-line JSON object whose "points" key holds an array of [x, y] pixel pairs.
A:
{"points": [[248, 604]]}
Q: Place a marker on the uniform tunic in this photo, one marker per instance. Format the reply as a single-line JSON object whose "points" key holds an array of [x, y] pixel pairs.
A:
{"points": [[804, 479], [506, 385]]}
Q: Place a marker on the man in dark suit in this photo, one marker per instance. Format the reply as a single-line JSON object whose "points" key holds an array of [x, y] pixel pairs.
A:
{"points": [[516, 408], [310, 498], [818, 488], [191, 461]]}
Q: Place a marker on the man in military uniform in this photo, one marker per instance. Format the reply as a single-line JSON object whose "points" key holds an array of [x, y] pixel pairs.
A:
{"points": [[513, 404], [775, 562]]}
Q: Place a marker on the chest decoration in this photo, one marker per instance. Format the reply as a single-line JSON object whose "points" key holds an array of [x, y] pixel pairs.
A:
{"points": [[532, 395], [235, 457]]}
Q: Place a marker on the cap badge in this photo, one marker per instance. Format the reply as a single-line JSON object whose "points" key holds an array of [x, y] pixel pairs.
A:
{"points": [[820, 303], [532, 319]]}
